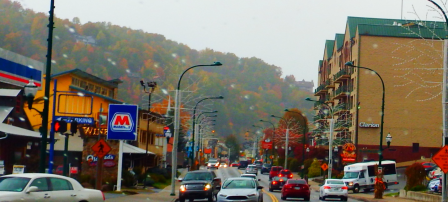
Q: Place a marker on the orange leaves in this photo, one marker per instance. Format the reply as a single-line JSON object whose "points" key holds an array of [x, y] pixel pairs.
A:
{"points": [[124, 63]]}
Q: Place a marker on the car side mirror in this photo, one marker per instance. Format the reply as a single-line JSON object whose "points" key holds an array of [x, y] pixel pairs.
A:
{"points": [[32, 189], [260, 187], [179, 179]]}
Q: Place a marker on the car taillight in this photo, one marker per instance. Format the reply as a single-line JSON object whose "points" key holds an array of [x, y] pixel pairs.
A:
{"points": [[280, 175], [327, 187], [104, 197], [288, 186], [290, 176], [281, 180], [274, 182], [345, 188]]}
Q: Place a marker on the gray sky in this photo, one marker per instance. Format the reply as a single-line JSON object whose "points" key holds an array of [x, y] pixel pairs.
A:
{"points": [[287, 33]]}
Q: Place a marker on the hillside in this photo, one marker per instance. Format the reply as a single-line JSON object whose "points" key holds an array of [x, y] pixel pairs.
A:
{"points": [[252, 88]]}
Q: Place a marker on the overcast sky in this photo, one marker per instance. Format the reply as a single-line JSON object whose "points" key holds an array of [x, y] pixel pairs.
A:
{"points": [[287, 33]]}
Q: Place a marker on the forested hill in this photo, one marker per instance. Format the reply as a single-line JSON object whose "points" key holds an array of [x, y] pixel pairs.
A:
{"points": [[252, 88]]}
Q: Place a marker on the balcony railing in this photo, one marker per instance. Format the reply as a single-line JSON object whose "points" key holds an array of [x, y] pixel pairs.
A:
{"points": [[342, 124], [329, 83], [340, 108], [343, 91], [343, 74], [320, 89], [341, 141]]}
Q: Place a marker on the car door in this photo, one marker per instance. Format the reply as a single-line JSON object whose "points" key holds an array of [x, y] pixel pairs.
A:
{"points": [[43, 193], [62, 190], [362, 179]]}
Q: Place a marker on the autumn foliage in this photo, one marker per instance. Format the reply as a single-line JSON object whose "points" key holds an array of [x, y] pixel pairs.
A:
{"points": [[415, 175]]}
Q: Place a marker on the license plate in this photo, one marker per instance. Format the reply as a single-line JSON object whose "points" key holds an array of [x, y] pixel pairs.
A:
{"points": [[281, 187], [296, 187], [337, 189]]}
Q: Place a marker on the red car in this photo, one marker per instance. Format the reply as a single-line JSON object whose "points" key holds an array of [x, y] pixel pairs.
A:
{"points": [[285, 173], [234, 165], [296, 189], [274, 171], [277, 183]]}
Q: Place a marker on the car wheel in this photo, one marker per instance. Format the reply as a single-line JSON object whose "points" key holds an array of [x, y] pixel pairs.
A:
{"points": [[356, 189], [344, 199], [323, 198], [307, 198], [283, 198], [270, 189], [181, 199]]}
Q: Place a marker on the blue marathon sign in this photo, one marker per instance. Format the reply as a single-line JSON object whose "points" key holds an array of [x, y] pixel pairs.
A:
{"points": [[122, 122], [80, 120]]}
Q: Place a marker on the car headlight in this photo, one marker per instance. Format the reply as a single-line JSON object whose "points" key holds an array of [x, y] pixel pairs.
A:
{"points": [[182, 188], [251, 195], [207, 187], [350, 183]]}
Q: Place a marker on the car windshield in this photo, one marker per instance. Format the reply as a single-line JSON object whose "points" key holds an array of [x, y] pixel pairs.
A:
{"points": [[239, 184], [280, 178], [350, 175], [213, 161], [266, 165], [286, 172], [258, 162], [198, 176], [15, 184], [296, 182], [249, 176], [335, 182]]}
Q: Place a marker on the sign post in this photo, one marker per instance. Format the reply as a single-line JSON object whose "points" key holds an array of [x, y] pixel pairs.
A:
{"points": [[122, 126]]}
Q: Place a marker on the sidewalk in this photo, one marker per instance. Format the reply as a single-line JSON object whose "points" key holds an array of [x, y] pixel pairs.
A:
{"points": [[145, 196], [359, 196]]}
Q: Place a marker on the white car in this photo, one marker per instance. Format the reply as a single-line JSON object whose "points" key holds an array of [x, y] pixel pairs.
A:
{"points": [[333, 188], [241, 190], [253, 176], [45, 187]]}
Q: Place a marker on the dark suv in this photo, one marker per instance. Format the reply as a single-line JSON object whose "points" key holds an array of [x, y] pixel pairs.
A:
{"points": [[199, 184], [243, 164]]}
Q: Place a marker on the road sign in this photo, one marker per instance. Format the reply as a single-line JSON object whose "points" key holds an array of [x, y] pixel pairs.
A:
{"points": [[101, 148], [80, 120], [167, 131], [441, 158], [122, 122], [324, 166]]}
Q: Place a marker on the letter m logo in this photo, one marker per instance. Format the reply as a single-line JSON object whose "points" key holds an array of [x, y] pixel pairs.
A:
{"points": [[121, 122]]}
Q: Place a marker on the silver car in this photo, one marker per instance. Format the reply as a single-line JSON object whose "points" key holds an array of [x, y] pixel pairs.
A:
{"points": [[333, 188], [240, 189], [251, 169]]}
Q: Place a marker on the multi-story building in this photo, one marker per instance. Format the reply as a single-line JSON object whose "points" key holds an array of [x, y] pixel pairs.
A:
{"points": [[408, 55], [305, 85]]}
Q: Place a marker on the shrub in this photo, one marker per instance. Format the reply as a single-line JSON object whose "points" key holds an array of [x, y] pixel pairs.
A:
{"points": [[293, 165], [415, 175], [281, 162], [307, 164], [87, 180], [419, 187], [314, 169], [128, 178]]}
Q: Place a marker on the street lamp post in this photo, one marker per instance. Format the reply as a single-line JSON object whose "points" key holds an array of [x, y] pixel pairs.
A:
{"points": [[286, 140], [176, 126], [305, 130], [330, 138], [151, 86], [380, 152], [273, 134], [193, 156], [194, 122], [265, 153]]}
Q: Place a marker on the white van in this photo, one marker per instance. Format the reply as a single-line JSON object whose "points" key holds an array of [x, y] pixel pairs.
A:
{"points": [[362, 175]]}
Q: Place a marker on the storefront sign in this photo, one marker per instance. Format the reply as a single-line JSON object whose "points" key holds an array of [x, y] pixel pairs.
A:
{"points": [[80, 120], [368, 125], [73, 170], [109, 160], [92, 131], [266, 144], [348, 152], [18, 169]]}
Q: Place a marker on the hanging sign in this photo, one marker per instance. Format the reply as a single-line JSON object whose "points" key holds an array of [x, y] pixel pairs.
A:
{"points": [[348, 152], [266, 144], [18, 169]]}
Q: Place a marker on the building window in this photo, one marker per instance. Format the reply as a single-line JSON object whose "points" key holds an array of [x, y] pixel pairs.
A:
{"points": [[75, 81], [82, 84], [97, 89], [103, 91], [91, 89], [111, 93], [415, 147]]}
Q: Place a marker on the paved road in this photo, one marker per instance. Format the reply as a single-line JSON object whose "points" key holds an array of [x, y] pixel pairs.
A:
{"points": [[225, 173]]}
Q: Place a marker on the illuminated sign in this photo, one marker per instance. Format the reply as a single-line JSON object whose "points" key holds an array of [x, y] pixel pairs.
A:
{"points": [[348, 152], [368, 125], [92, 131], [108, 160]]}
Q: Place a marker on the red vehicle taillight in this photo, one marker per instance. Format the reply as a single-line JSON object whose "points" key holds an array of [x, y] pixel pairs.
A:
{"points": [[104, 197], [274, 182], [327, 187], [281, 180], [279, 175], [288, 186], [290, 176], [345, 188]]}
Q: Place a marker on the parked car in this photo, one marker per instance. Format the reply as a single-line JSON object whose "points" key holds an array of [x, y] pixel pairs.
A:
{"points": [[435, 173], [243, 164], [265, 168], [59, 170], [240, 189], [435, 185], [333, 188], [40, 186], [199, 184], [251, 169], [212, 163], [277, 183], [296, 189], [285, 173], [234, 165], [250, 176], [274, 171], [428, 164], [259, 164]]}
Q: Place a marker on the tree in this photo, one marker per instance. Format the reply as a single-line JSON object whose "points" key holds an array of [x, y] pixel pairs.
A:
{"points": [[415, 175], [232, 142], [314, 169]]}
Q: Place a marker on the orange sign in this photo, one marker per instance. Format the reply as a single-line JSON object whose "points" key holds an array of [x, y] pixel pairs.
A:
{"points": [[348, 152], [208, 150], [101, 148], [324, 166], [441, 159]]}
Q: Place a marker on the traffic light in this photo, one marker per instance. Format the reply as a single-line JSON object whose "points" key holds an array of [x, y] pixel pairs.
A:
{"points": [[60, 126], [73, 127]]}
